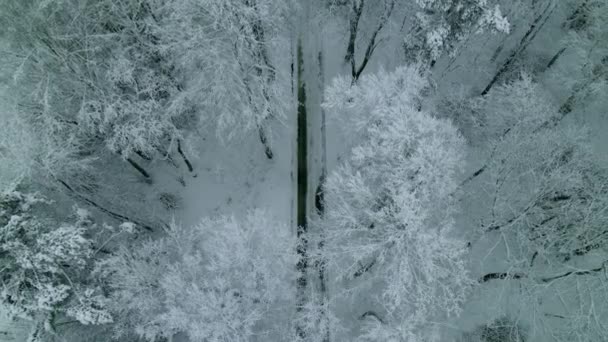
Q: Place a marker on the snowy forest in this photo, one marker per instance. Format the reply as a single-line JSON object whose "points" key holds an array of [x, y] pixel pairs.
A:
{"points": [[304, 170]]}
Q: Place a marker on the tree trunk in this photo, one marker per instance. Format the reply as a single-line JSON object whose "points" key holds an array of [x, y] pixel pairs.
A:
{"points": [[139, 169], [302, 179], [320, 204], [262, 54], [536, 26], [555, 58], [371, 46], [354, 25], [181, 153], [143, 156], [264, 141]]}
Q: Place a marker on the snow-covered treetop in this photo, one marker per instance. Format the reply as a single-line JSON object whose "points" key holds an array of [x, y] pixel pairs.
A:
{"points": [[586, 72], [544, 179], [42, 262], [225, 53], [444, 23], [388, 205], [215, 281]]}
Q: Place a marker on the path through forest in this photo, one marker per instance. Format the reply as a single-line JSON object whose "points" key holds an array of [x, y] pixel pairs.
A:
{"points": [[302, 188], [311, 165]]}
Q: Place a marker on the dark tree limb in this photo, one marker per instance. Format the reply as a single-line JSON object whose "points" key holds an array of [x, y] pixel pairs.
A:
{"points": [[495, 227], [139, 169], [509, 276], [350, 57], [371, 46], [589, 247], [364, 269], [568, 106], [554, 315], [483, 168], [262, 54], [555, 58], [475, 174], [264, 141], [501, 276], [143, 155], [354, 25], [535, 27], [534, 256], [528, 208], [576, 273], [181, 153], [372, 314], [320, 197]]}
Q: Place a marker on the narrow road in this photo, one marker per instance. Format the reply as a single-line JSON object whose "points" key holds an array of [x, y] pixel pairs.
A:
{"points": [[311, 166]]}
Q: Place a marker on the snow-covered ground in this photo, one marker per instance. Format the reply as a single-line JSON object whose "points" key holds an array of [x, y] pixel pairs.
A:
{"points": [[230, 179]]}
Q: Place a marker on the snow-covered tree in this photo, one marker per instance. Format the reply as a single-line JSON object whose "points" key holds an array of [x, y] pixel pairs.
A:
{"points": [[88, 74], [44, 263], [29, 151], [366, 22], [584, 71], [224, 279], [424, 30], [541, 174], [131, 105], [440, 25], [388, 223], [137, 76], [225, 51], [541, 195]]}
